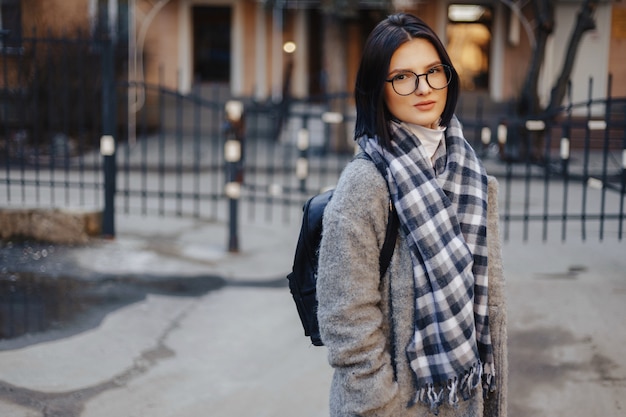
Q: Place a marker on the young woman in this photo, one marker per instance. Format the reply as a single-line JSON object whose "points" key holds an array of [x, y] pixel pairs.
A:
{"points": [[418, 340]]}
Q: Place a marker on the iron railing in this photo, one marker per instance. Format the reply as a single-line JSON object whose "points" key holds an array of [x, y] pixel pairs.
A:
{"points": [[560, 174]]}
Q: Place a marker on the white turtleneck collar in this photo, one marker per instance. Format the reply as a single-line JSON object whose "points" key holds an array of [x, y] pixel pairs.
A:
{"points": [[429, 138]]}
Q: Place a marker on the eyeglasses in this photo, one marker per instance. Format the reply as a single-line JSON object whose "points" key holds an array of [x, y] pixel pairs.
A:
{"points": [[406, 82]]}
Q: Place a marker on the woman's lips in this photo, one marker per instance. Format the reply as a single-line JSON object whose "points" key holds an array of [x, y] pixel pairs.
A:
{"points": [[425, 105]]}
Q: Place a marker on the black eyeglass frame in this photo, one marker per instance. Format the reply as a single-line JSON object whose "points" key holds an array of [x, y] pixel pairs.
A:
{"points": [[446, 68]]}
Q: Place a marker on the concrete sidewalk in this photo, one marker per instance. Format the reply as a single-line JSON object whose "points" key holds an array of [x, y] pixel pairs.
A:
{"points": [[239, 350]]}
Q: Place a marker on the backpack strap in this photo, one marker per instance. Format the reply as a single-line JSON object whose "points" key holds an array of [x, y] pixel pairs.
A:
{"points": [[385, 259], [390, 240]]}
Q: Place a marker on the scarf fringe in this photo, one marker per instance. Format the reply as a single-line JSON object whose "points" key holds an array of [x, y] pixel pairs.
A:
{"points": [[489, 380], [434, 395]]}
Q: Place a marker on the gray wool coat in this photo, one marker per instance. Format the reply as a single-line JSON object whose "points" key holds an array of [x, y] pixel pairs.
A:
{"points": [[354, 305]]}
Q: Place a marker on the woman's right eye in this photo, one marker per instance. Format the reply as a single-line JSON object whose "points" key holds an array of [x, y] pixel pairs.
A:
{"points": [[402, 77]]}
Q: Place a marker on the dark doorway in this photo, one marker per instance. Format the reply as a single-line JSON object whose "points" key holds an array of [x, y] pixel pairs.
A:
{"points": [[316, 66], [211, 40]]}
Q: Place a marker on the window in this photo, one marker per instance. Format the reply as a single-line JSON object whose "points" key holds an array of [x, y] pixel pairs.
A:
{"points": [[10, 24]]}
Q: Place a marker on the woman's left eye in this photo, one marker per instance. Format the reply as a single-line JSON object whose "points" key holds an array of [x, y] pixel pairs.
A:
{"points": [[436, 69]]}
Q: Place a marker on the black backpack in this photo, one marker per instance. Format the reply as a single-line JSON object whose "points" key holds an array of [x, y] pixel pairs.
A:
{"points": [[303, 278]]}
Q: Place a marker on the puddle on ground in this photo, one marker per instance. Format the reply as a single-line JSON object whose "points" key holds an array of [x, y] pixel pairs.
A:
{"points": [[43, 296], [48, 307]]}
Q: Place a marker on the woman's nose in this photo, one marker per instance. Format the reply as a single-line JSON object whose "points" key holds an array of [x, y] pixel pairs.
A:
{"points": [[422, 85]]}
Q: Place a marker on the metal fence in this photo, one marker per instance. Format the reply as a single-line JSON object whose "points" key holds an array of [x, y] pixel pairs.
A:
{"points": [[566, 173], [48, 101], [76, 141]]}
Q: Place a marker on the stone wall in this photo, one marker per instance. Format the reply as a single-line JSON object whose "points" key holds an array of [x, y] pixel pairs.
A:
{"points": [[50, 225]]}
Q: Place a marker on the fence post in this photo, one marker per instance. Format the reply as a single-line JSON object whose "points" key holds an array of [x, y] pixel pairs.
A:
{"points": [[234, 172], [302, 163], [107, 141]]}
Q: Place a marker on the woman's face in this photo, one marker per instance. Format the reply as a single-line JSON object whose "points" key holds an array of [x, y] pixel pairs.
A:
{"points": [[425, 105]]}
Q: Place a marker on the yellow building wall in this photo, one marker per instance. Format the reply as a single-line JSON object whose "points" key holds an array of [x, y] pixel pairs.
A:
{"points": [[56, 17], [515, 61], [355, 50], [161, 47], [161, 51], [617, 51], [249, 54]]}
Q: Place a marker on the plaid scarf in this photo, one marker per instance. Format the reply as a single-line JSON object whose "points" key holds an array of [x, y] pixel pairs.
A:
{"points": [[443, 212]]}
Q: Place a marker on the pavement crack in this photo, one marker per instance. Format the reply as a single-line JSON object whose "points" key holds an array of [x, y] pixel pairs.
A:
{"points": [[72, 403], [150, 358]]}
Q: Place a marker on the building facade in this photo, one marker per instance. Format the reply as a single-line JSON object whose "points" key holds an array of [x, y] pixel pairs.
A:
{"points": [[267, 48]]}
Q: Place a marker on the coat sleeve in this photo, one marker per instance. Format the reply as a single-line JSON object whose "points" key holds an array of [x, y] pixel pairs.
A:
{"points": [[349, 293], [495, 404]]}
